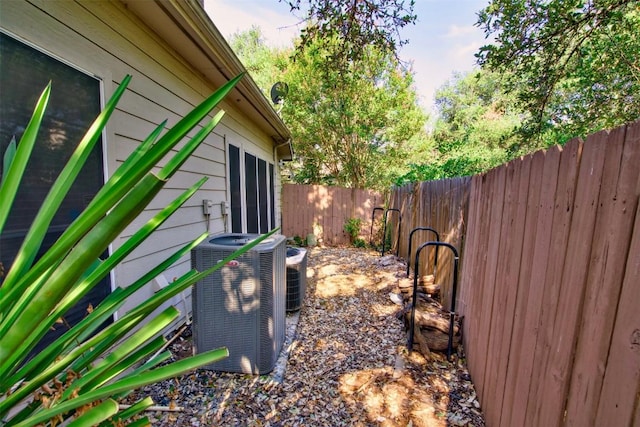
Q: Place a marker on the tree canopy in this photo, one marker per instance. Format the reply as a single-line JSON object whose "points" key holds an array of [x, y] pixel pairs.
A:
{"points": [[574, 64], [551, 70], [475, 129], [356, 24], [350, 128]]}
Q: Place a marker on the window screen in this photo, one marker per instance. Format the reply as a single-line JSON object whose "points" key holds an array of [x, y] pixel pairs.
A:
{"points": [[263, 197], [251, 186], [236, 195], [257, 205], [272, 197], [73, 105]]}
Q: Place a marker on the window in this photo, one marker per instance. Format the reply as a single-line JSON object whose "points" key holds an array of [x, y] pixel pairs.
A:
{"points": [[254, 178], [74, 104]]}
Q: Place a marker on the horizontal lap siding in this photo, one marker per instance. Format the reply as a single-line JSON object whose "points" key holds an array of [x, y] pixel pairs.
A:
{"points": [[108, 41]]}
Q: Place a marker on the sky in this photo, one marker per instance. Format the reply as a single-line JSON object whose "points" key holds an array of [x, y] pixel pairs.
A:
{"points": [[444, 39]]}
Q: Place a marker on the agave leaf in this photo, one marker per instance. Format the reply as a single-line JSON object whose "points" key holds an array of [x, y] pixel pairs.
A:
{"points": [[96, 414], [88, 282], [129, 412], [126, 384], [15, 160], [142, 422], [137, 170], [25, 316], [90, 323], [8, 157], [174, 164], [61, 186], [127, 166], [76, 360], [145, 333], [126, 363]]}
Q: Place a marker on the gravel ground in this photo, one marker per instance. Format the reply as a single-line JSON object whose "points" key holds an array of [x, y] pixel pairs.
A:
{"points": [[347, 363]]}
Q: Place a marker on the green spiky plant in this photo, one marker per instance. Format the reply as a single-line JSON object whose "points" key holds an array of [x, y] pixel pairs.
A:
{"points": [[78, 378]]}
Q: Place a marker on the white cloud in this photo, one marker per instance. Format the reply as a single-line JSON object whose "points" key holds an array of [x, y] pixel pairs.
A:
{"points": [[456, 31]]}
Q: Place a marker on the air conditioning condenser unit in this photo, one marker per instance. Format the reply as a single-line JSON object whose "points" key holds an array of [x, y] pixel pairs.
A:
{"points": [[242, 305]]}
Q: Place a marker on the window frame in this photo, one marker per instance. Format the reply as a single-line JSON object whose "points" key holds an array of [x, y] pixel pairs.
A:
{"points": [[270, 187]]}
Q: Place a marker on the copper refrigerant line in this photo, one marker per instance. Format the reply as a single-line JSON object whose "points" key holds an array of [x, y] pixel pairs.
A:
{"points": [[437, 243]]}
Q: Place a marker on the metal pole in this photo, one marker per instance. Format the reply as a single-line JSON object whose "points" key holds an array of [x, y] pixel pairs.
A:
{"points": [[384, 233], [372, 218], [453, 295], [435, 260]]}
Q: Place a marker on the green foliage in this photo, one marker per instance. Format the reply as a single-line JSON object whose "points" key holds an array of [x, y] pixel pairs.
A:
{"points": [[359, 243], [476, 129], [572, 64], [352, 228], [356, 25], [78, 377], [263, 63], [350, 128], [299, 241]]}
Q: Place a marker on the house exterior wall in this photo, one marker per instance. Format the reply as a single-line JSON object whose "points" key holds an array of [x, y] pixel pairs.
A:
{"points": [[107, 40]]}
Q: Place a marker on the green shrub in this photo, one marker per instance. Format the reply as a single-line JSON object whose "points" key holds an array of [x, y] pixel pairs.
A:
{"points": [[359, 243], [80, 375], [352, 228]]}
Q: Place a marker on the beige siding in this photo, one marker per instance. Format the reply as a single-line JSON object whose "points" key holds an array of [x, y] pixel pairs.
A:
{"points": [[106, 40]]}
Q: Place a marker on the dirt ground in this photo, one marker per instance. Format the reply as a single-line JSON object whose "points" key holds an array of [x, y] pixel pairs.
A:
{"points": [[348, 364]]}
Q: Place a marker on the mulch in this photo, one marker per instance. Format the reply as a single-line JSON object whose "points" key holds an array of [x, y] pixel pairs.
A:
{"points": [[347, 363]]}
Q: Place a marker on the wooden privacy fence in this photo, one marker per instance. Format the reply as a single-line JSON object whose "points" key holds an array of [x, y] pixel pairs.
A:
{"points": [[550, 274], [550, 286], [441, 205], [322, 211]]}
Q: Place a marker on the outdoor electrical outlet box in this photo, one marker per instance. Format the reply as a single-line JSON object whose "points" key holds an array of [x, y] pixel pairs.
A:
{"points": [[224, 207], [206, 207]]}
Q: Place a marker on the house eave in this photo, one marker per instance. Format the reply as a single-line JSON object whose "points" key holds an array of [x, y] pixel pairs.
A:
{"points": [[185, 26]]}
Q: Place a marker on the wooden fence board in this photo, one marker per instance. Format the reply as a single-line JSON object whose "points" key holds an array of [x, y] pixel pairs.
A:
{"points": [[494, 216], [621, 383], [489, 239], [323, 211], [472, 285], [622, 376], [505, 288], [596, 322], [608, 257], [573, 279], [513, 405], [563, 208], [535, 283], [494, 362]]}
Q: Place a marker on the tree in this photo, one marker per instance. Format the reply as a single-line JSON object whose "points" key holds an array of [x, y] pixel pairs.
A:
{"points": [[476, 128], [356, 24], [263, 63], [573, 64], [350, 126]]}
